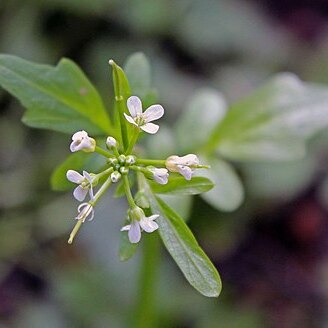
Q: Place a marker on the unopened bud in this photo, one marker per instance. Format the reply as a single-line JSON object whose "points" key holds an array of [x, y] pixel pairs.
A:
{"points": [[130, 159], [115, 176], [124, 170], [111, 142], [121, 159]]}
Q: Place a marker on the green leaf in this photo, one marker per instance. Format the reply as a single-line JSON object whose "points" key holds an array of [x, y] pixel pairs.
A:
{"points": [[204, 111], [180, 204], [79, 161], [59, 98], [180, 186], [127, 249], [137, 70], [273, 122], [228, 193], [183, 247]]}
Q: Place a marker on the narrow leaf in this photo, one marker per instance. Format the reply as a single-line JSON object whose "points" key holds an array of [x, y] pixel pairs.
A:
{"points": [[228, 193], [183, 247], [180, 186], [59, 98], [273, 122], [204, 111]]}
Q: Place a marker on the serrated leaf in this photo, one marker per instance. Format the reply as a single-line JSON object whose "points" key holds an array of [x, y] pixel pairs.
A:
{"points": [[273, 122], [183, 247], [228, 193], [202, 114], [59, 98], [90, 162], [181, 186]]}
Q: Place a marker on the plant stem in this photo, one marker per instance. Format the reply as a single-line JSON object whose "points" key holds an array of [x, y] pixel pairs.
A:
{"points": [[128, 194], [159, 162], [75, 231], [103, 152], [146, 311]]}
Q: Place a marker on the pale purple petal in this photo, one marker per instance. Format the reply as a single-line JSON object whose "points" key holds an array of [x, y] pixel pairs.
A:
{"points": [[134, 232], [134, 106], [185, 171], [126, 228], [148, 224], [130, 119], [74, 176], [153, 113], [190, 159], [79, 193], [150, 128]]}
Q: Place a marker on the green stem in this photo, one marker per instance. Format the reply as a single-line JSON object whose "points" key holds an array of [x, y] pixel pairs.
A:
{"points": [[120, 103], [103, 152], [107, 171], [93, 202], [128, 194], [146, 311], [75, 231], [133, 140], [158, 162]]}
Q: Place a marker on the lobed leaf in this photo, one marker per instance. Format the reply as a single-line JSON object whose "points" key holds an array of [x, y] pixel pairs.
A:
{"points": [[59, 98]]}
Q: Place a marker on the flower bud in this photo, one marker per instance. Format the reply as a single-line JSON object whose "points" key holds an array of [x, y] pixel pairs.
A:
{"points": [[159, 175], [124, 170], [130, 159], [111, 142], [121, 159], [141, 200], [115, 176]]}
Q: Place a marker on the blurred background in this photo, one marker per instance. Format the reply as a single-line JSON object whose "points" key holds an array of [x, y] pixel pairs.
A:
{"points": [[271, 252]]}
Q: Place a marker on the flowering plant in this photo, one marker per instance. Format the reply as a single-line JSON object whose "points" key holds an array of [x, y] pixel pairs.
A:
{"points": [[272, 124]]}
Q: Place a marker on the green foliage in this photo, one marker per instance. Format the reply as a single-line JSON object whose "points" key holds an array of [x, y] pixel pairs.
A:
{"points": [[202, 114], [183, 247], [228, 192], [58, 98], [180, 186], [273, 122], [127, 249], [78, 161]]}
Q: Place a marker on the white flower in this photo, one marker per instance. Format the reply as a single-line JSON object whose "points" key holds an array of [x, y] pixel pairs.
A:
{"points": [[140, 119], [111, 142], [140, 222], [159, 175], [184, 165], [85, 210], [81, 141], [84, 184]]}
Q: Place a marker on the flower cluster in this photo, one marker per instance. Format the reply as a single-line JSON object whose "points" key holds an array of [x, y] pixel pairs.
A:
{"points": [[120, 162]]}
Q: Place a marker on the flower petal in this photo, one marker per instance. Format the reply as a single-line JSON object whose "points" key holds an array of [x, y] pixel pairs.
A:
{"points": [[126, 228], [148, 224], [130, 119], [134, 232], [190, 159], [153, 113], [185, 171], [79, 193], [134, 106], [150, 128], [74, 176]]}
